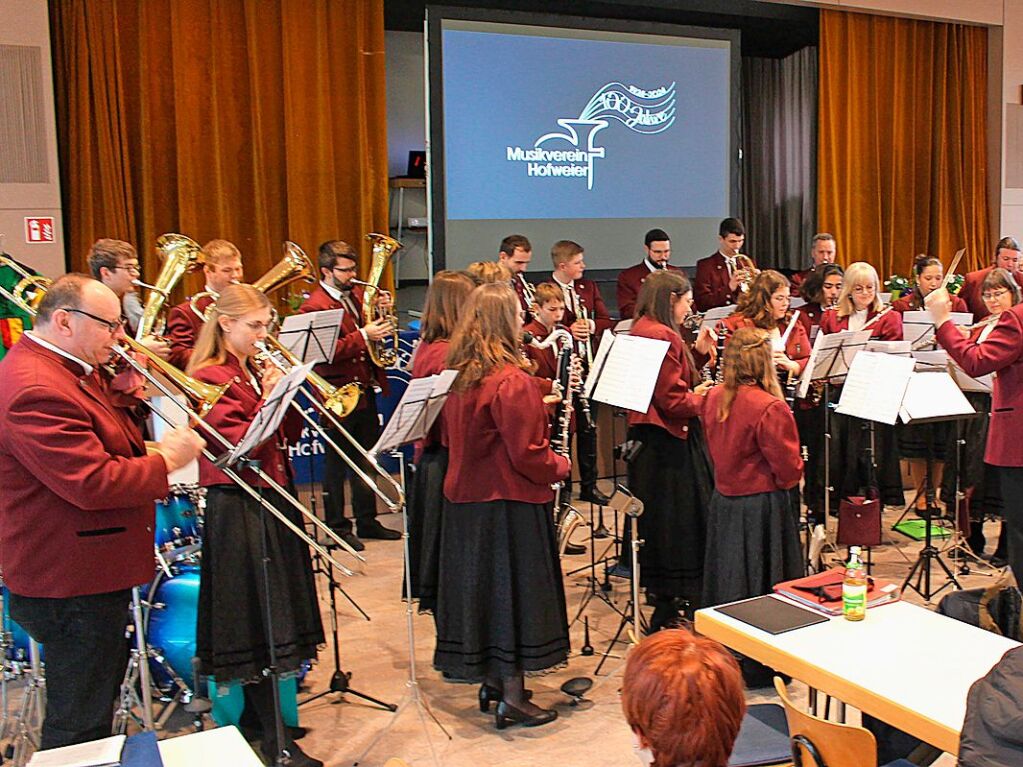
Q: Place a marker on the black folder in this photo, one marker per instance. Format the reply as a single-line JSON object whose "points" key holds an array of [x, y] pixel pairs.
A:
{"points": [[775, 616]]}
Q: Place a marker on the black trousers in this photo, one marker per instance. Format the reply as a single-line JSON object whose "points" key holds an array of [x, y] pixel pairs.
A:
{"points": [[86, 654], [1011, 488], [586, 445], [364, 426]]}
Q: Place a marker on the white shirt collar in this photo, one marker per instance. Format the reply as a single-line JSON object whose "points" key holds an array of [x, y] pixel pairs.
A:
{"points": [[331, 290], [650, 264], [215, 294], [564, 285], [57, 350]]}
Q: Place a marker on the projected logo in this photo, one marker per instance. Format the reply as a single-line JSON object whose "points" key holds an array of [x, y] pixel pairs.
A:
{"points": [[570, 154]]}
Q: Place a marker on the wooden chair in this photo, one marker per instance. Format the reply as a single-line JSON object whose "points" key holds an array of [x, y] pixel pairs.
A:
{"points": [[819, 743]]}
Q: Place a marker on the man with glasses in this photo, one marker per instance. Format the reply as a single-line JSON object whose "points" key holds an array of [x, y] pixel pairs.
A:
{"points": [[351, 364], [222, 266], [1007, 257], [115, 263], [76, 511]]}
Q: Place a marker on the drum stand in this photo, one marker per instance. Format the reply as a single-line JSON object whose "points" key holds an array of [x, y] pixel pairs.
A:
{"points": [[413, 695], [29, 721], [136, 676]]}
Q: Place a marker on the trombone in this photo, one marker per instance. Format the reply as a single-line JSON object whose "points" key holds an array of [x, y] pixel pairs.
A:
{"points": [[281, 357]]}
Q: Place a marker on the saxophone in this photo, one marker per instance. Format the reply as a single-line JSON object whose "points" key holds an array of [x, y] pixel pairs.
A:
{"points": [[383, 353]]}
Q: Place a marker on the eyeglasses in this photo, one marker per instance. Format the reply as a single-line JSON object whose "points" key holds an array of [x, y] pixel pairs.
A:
{"points": [[255, 325], [862, 289], [132, 268], [346, 269], [112, 325], [994, 294]]}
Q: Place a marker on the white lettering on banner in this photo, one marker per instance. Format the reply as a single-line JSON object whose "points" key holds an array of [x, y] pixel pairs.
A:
{"points": [[305, 449], [641, 111]]}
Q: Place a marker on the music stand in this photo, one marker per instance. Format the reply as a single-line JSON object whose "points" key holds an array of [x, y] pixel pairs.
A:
{"points": [[312, 337]]}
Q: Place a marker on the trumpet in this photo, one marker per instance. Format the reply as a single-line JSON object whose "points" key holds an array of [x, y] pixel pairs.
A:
{"points": [[19, 294], [281, 361], [746, 271]]}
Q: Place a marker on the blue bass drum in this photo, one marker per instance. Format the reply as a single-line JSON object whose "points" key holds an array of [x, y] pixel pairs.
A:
{"points": [[17, 650], [174, 608], [179, 520]]}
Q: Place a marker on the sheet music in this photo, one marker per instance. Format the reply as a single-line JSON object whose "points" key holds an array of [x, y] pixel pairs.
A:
{"points": [[918, 327], [931, 360], [95, 753], [901, 348], [823, 362], [606, 342], [312, 337], [627, 376], [983, 385], [416, 411], [719, 313], [932, 395], [270, 415], [875, 387], [624, 326], [158, 427]]}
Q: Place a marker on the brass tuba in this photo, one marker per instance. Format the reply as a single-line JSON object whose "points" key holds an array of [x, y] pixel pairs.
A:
{"points": [[180, 254], [295, 265], [383, 353]]}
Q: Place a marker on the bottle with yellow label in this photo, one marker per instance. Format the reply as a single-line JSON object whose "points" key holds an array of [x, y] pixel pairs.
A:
{"points": [[854, 587]]}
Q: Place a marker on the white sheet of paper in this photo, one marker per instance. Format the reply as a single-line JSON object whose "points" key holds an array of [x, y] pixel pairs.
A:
{"points": [[158, 427], [918, 327], [606, 342], [901, 348], [931, 360], [931, 395], [875, 387], [718, 313], [624, 326], [628, 375], [312, 337], [105, 751], [983, 385], [406, 423], [820, 362]]}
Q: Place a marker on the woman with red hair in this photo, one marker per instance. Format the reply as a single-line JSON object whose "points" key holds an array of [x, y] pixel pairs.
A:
{"points": [[682, 696]]}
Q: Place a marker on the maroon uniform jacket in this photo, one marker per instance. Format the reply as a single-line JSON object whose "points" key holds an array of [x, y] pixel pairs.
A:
{"points": [[798, 278], [810, 317], [499, 439], [914, 302], [183, 326], [589, 295], [673, 403], [888, 328], [797, 347], [756, 449], [970, 291], [520, 291], [546, 360], [351, 362], [1001, 352], [232, 415], [710, 287], [430, 358], [76, 505], [629, 282]]}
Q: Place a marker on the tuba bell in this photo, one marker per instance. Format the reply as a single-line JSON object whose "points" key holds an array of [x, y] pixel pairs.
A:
{"points": [[180, 254], [383, 353], [295, 265]]}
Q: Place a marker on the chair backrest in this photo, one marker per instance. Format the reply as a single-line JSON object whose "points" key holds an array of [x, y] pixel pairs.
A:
{"points": [[838, 745]]}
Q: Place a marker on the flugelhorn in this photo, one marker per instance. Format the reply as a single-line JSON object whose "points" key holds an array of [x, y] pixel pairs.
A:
{"points": [[384, 353], [180, 255]]}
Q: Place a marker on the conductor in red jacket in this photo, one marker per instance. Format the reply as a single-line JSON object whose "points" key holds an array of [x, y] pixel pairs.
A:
{"points": [[76, 511], [351, 363], [657, 245], [717, 276]]}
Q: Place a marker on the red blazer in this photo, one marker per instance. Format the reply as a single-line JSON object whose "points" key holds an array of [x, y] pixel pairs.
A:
{"points": [[520, 291], [351, 362], [888, 328], [76, 506], [756, 450], [430, 359], [232, 415], [589, 295], [673, 403], [810, 317], [183, 326], [629, 282], [798, 278], [797, 348], [1001, 352], [499, 441], [546, 360], [914, 302], [710, 288]]}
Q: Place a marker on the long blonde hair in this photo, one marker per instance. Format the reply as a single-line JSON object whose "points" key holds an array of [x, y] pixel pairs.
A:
{"points": [[854, 273], [748, 360], [487, 335], [234, 301]]}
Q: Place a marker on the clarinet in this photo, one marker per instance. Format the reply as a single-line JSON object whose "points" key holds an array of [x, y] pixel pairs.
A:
{"points": [[720, 377], [560, 442], [789, 388]]}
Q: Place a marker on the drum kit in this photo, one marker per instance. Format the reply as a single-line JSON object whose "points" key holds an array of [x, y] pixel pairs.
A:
{"points": [[161, 624]]}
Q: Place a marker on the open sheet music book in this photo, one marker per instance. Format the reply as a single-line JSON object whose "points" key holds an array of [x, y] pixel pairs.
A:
{"points": [[830, 357], [933, 395], [875, 387], [312, 336], [918, 327], [624, 371], [416, 411]]}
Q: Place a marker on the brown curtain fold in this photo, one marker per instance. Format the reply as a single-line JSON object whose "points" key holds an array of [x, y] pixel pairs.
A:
{"points": [[902, 158], [258, 121]]}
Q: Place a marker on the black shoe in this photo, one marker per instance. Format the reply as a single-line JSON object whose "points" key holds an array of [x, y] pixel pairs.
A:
{"points": [[593, 495], [352, 540], [377, 531], [299, 758], [255, 733], [573, 549], [506, 715], [490, 695]]}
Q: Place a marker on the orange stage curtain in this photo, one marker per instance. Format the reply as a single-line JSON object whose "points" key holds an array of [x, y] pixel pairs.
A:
{"points": [[257, 121], [902, 160]]}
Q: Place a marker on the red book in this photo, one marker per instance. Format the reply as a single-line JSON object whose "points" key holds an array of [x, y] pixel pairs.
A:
{"points": [[823, 591]]}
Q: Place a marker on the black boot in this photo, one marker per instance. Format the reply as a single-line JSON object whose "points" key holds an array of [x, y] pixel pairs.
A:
{"points": [[259, 697]]}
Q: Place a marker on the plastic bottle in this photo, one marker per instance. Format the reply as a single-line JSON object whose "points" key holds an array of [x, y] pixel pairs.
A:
{"points": [[854, 587]]}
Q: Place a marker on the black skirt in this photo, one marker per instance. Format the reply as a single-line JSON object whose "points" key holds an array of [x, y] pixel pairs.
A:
{"points": [[500, 597], [673, 478], [810, 422], [923, 440], [425, 505], [752, 544], [231, 639]]}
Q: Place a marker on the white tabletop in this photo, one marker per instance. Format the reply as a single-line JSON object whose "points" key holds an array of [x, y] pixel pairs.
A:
{"points": [[209, 748], [903, 664]]}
